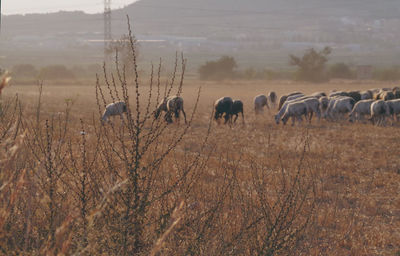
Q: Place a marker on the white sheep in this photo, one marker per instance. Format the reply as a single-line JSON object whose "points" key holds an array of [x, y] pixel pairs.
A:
{"points": [[323, 104], [259, 102], [337, 93], [113, 109], [379, 111], [318, 95], [394, 108], [312, 107], [360, 109], [282, 110], [171, 105], [339, 105], [283, 99], [366, 95], [295, 96], [295, 110]]}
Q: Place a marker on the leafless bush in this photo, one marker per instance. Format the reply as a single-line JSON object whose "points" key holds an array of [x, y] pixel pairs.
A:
{"points": [[134, 152]]}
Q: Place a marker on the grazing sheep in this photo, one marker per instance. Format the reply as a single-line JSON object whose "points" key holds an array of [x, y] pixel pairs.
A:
{"points": [[283, 99], [237, 107], [338, 106], [272, 99], [318, 94], [330, 104], [223, 106], [113, 109], [280, 113], [361, 108], [259, 102], [384, 95], [356, 95], [379, 111], [396, 92], [171, 105], [312, 107], [366, 95], [294, 93], [295, 110], [339, 93], [323, 103], [387, 95], [295, 96], [394, 108]]}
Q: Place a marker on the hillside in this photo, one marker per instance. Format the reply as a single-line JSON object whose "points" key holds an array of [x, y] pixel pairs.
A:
{"points": [[208, 27]]}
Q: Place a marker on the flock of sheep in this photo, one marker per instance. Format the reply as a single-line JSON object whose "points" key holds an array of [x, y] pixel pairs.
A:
{"points": [[375, 104]]}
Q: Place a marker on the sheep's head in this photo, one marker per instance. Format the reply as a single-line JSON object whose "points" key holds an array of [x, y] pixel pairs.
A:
{"points": [[351, 117], [157, 113], [276, 119], [216, 115], [284, 119], [103, 119], [168, 118]]}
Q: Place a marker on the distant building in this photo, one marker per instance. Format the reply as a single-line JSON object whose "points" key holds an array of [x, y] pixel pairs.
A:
{"points": [[364, 72]]}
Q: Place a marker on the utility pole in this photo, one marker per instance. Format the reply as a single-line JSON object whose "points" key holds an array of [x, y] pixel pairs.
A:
{"points": [[107, 27]]}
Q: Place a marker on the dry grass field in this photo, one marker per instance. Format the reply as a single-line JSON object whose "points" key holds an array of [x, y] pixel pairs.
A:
{"points": [[325, 188]]}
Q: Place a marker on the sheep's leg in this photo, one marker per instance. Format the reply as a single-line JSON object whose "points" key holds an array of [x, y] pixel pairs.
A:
{"points": [[311, 115], [243, 117], [227, 118], [177, 118], [184, 115], [236, 117], [319, 114], [293, 120]]}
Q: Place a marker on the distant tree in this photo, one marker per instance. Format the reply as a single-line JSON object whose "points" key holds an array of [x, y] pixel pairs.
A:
{"points": [[311, 67], [340, 70], [223, 68], [56, 72], [24, 70]]}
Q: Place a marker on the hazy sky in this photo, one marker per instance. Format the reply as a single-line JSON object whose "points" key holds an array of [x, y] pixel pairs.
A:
{"points": [[43, 6]]}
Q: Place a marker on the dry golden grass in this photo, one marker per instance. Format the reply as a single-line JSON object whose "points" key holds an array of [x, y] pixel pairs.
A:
{"points": [[354, 171]]}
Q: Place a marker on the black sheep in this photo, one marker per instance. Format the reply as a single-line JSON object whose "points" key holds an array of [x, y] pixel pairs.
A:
{"points": [[237, 107], [223, 106]]}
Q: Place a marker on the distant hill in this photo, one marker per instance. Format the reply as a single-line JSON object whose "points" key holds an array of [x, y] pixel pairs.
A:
{"points": [[237, 26], [206, 16]]}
